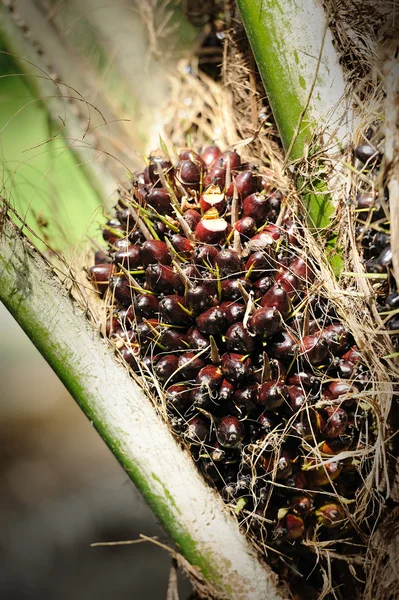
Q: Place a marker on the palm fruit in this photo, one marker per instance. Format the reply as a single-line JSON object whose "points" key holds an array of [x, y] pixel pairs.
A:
{"points": [[206, 287], [373, 236]]}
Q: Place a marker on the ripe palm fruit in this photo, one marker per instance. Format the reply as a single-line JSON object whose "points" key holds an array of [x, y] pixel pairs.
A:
{"points": [[258, 374], [330, 515], [230, 432]]}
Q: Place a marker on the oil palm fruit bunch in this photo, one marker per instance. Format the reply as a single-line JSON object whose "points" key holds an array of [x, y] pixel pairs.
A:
{"points": [[373, 235], [211, 298]]}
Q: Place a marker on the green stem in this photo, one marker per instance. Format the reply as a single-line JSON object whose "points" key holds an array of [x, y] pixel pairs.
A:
{"points": [[304, 82]]}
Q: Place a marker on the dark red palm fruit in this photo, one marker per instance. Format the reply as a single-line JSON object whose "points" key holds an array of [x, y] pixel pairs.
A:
{"points": [[265, 322], [262, 242], [258, 263], [272, 394], [211, 231], [341, 388], [210, 154], [209, 379], [256, 206], [364, 202], [229, 262], [100, 274], [196, 339], [233, 156], [273, 230], [166, 367], [230, 432], [314, 348], [190, 364], [144, 177], [278, 370], [245, 398], [101, 257], [160, 229], [122, 244], [301, 268], [289, 282], [191, 272], [275, 199], [205, 255], [337, 337], [212, 321], [198, 298], [283, 346], [192, 218], [159, 199], [213, 197], [112, 326], [301, 379], [236, 367], [172, 310], [162, 279], [226, 391], [331, 515], [189, 173], [372, 266], [174, 339], [189, 154], [145, 305], [280, 467], [183, 246], [345, 369], [131, 356], [385, 257], [366, 154], [293, 232], [135, 236], [231, 288], [197, 431], [155, 251], [164, 164], [297, 397], [246, 183], [246, 227], [148, 331], [233, 311], [129, 257], [301, 505], [121, 289], [178, 398], [334, 446], [267, 421], [216, 176], [322, 475], [392, 300], [293, 484], [203, 398], [261, 286], [294, 526], [278, 298], [336, 421], [304, 427], [352, 355], [113, 230], [239, 340]]}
